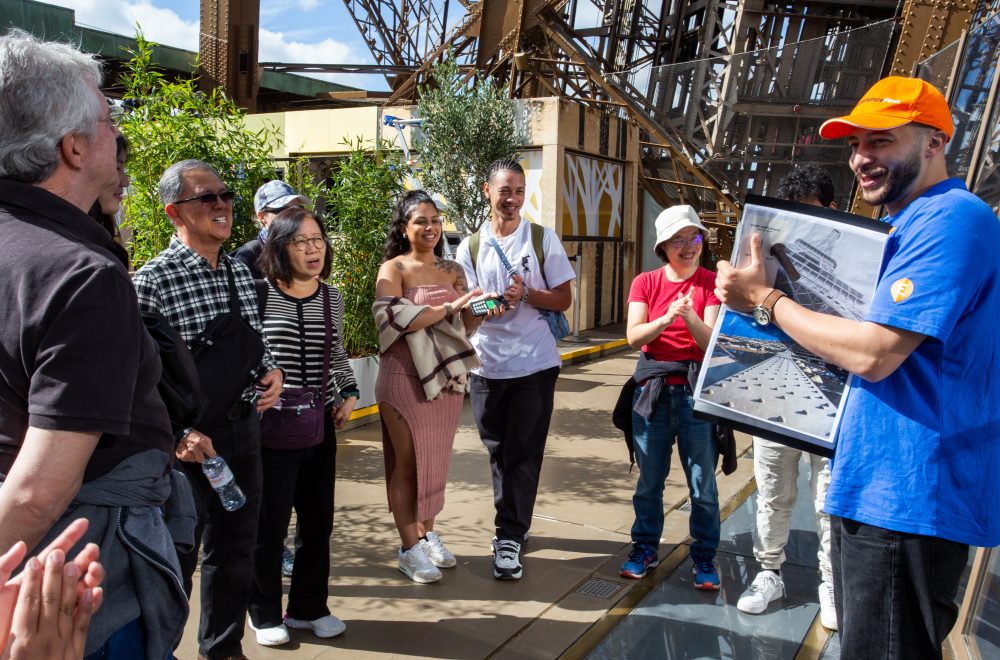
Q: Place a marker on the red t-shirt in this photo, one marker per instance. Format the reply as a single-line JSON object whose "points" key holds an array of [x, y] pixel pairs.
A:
{"points": [[654, 289]]}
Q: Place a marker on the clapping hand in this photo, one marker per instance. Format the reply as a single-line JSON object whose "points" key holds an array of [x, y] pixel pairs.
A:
{"points": [[45, 611], [681, 307]]}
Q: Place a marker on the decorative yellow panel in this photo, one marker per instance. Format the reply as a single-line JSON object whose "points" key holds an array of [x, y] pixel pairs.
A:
{"points": [[592, 197], [531, 161]]}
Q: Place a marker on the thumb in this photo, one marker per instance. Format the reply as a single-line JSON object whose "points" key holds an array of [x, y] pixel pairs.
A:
{"points": [[756, 258]]}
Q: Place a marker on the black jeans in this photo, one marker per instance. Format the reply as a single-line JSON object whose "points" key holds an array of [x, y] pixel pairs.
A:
{"points": [[895, 592], [228, 538], [303, 478], [513, 416]]}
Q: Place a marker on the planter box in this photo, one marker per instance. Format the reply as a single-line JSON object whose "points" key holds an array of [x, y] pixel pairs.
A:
{"points": [[365, 372]]}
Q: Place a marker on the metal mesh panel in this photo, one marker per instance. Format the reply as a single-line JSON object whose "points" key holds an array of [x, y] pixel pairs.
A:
{"points": [[748, 119], [969, 93]]}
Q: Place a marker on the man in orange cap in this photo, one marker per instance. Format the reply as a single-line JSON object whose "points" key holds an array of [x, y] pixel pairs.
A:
{"points": [[918, 449]]}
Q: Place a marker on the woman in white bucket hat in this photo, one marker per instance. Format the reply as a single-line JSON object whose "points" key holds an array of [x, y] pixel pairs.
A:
{"points": [[671, 311]]}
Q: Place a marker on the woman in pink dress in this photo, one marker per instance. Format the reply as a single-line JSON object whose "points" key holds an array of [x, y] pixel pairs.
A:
{"points": [[421, 297]]}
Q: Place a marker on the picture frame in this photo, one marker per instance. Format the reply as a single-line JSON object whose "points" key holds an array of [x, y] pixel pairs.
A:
{"points": [[756, 378]]}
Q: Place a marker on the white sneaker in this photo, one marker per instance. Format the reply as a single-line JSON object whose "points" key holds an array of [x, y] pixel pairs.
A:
{"points": [[827, 606], [767, 587], [275, 636], [416, 565], [435, 550], [325, 626]]}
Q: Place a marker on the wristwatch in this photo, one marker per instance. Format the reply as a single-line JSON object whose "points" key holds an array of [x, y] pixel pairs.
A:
{"points": [[524, 298], [762, 312]]}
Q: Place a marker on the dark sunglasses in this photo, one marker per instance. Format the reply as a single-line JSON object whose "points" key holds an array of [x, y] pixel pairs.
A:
{"points": [[210, 198]]}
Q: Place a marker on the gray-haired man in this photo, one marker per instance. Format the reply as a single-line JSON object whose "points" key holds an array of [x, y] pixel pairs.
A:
{"points": [[189, 284], [81, 422]]}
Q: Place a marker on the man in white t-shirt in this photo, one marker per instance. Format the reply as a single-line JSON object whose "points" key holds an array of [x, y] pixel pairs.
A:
{"points": [[512, 393]]}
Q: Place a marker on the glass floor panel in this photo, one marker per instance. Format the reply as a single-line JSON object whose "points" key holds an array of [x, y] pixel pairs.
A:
{"points": [[677, 621]]}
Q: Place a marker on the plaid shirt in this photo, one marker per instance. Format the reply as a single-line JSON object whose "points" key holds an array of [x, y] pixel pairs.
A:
{"points": [[181, 285]]}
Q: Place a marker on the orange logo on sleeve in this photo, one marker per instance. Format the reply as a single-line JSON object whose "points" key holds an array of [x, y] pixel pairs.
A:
{"points": [[901, 289]]}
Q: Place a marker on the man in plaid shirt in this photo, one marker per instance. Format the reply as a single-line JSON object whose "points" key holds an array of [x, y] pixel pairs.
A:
{"points": [[188, 283]]}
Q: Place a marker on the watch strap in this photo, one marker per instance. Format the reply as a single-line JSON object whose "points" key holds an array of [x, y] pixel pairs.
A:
{"points": [[771, 299]]}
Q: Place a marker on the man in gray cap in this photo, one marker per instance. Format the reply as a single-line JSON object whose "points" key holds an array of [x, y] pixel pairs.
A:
{"points": [[270, 199]]}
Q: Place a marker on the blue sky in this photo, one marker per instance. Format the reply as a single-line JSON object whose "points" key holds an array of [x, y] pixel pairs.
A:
{"points": [[301, 31]]}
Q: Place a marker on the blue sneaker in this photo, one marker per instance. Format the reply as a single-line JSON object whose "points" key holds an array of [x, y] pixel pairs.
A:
{"points": [[706, 575], [641, 558], [287, 562]]}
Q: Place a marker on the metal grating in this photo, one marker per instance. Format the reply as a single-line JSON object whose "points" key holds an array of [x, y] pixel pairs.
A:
{"points": [[598, 588]]}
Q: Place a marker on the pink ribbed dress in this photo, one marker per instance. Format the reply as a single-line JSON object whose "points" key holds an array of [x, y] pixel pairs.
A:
{"points": [[432, 423]]}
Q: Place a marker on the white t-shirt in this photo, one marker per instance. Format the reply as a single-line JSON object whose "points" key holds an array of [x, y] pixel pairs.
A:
{"points": [[518, 343]]}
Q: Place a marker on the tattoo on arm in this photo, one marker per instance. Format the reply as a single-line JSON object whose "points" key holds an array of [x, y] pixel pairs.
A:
{"points": [[400, 267], [452, 268], [447, 266]]}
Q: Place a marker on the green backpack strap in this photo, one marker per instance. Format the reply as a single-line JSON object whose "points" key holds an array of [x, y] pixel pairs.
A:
{"points": [[474, 246], [537, 236]]}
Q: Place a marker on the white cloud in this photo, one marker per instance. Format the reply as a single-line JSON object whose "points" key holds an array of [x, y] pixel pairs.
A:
{"points": [[165, 26]]}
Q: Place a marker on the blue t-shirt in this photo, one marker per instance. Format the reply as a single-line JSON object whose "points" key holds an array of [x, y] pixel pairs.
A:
{"points": [[919, 452]]}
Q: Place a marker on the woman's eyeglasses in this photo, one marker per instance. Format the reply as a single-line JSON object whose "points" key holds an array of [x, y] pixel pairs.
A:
{"points": [[210, 198], [681, 243], [300, 243]]}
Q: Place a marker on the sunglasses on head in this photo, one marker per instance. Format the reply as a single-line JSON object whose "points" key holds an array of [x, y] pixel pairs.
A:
{"points": [[210, 198]]}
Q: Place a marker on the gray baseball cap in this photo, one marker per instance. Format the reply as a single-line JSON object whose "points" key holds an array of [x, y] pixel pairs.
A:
{"points": [[276, 195]]}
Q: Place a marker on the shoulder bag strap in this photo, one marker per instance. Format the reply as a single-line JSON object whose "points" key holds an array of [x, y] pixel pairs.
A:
{"points": [[503, 257], [234, 296], [261, 287], [327, 342]]}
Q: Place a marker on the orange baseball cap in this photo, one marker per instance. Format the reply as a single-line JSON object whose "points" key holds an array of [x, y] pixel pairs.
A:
{"points": [[891, 103]]}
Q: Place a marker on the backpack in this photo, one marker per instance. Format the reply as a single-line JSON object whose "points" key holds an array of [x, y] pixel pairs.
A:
{"points": [[537, 236]]}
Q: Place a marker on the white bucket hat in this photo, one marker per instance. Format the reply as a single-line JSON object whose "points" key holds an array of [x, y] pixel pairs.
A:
{"points": [[672, 220]]}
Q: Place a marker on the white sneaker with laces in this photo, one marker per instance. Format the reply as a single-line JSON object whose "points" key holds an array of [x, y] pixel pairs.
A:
{"points": [[415, 564], [827, 606], [766, 588], [275, 636], [439, 555], [325, 626]]}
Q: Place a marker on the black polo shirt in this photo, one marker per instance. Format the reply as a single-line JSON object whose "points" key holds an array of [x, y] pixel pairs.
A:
{"points": [[74, 354]]}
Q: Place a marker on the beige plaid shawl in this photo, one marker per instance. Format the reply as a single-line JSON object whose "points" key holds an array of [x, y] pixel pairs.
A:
{"points": [[442, 354]]}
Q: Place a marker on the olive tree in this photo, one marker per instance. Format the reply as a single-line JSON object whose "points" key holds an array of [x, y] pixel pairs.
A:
{"points": [[466, 126]]}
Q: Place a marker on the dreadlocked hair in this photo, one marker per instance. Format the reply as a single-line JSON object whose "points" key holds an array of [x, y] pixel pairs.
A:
{"points": [[507, 164]]}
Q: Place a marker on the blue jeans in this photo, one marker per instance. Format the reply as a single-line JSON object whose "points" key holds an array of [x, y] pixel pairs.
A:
{"points": [[654, 441], [126, 643]]}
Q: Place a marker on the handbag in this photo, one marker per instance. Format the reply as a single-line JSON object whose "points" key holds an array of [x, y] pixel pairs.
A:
{"points": [[558, 323], [179, 386], [296, 421], [227, 354]]}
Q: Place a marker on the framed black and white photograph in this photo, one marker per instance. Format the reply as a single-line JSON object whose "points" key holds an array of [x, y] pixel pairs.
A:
{"points": [[755, 378]]}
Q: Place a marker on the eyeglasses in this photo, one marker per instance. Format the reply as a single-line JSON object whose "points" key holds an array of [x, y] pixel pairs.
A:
{"points": [[116, 113], [682, 243], [300, 243], [210, 198]]}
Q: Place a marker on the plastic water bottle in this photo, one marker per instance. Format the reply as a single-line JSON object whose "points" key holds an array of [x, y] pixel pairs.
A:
{"points": [[223, 482]]}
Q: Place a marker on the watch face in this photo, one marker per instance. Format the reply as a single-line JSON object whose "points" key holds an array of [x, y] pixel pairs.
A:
{"points": [[761, 316]]}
